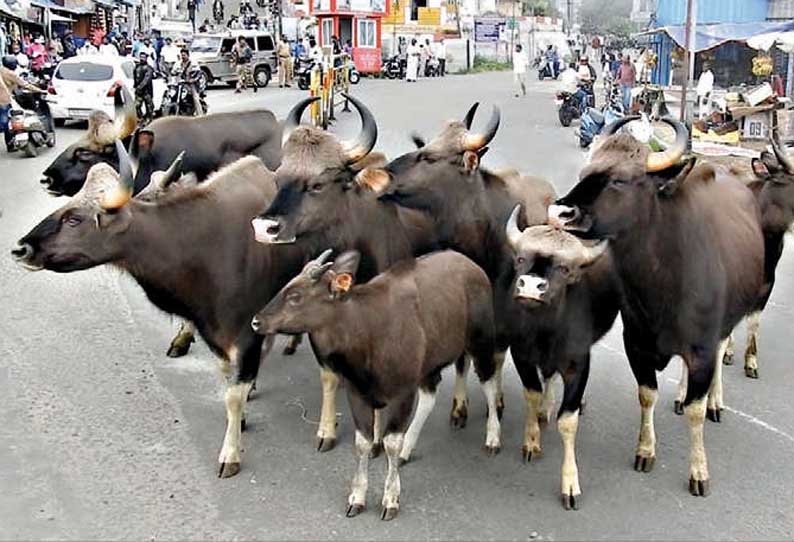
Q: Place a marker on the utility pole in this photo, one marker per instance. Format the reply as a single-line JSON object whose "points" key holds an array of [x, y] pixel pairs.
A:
{"points": [[570, 14], [688, 47]]}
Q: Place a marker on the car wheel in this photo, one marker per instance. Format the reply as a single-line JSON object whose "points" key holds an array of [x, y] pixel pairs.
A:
{"points": [[59, 123], [261, 76]]}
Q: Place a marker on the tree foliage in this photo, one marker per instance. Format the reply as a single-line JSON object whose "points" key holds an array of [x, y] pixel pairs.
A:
{"points": [[540, 8], [606, 17]]}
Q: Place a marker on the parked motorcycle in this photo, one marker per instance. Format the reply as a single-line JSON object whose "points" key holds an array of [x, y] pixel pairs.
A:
{"points": [[568, 106], [31, 127], [594, 120], [303, 72], [392, 68], [180, 98], [546, 69]]}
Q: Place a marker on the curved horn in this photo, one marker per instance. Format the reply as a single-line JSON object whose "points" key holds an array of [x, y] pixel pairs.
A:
{"points": [[315, 268], [293, 119], [512, 231], [473, 142], [782, 157], [357, 149], [613, 128], [591, 254], [126, 117], [173, 172], [469, 118], [121, 193], [658, 161]]}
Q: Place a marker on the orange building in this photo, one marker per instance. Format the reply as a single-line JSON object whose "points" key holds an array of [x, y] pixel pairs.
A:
{"points": [[359, 21]]}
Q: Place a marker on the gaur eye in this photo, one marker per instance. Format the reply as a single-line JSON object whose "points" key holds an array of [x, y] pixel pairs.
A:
{"points": [[316, 187], [72, 220], [293, 298], [520, 259], [565, 270], [84, 154], [619, 182]]}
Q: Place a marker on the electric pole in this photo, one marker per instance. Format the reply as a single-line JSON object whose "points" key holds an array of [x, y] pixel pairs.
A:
{"points": [[688, 47]]}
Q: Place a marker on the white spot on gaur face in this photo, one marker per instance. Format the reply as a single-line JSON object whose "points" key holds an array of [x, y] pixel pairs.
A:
{"points": [[560, 215], [531, 287], [266, 231]]}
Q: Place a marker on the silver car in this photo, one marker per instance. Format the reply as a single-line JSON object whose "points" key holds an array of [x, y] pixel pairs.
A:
{"points": [[213, 53]]}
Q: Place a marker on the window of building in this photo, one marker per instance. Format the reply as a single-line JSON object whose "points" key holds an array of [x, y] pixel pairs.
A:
{"points": [[328, 32], [366, 33]]}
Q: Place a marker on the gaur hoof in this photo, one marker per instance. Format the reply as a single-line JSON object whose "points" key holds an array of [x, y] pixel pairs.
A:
{"points": [[242, 424], [289, 350], [227, 470], [713, 414], [571, 501], [178, 349], [751, 372], [678, 408], [492, 451], [458, 416], [581, 407], [325, 444], [644, 464], [699, 488], [354, 509], [528, 453], [389, 514], [377, 449], [727, 359]]}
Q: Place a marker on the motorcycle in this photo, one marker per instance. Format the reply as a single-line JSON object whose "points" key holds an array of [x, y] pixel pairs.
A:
{"points": [[31, 127], [568, 106], [303, 72], [433, 68], [594, 120], [546, 69], [180, 97], [393, 68]]}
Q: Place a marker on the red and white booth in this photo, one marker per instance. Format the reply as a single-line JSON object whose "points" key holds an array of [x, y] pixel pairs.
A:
{"points": [[359, 21]]}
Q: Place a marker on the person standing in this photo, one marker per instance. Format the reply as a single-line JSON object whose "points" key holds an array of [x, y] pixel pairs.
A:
{"points": [[283, 54], [704, 89], [626, 78], [441, 55], [412, 69], [241, 56], [69, 46], [217, 11], [191, 13], [520, 63], [143, 77], [169, 55]]}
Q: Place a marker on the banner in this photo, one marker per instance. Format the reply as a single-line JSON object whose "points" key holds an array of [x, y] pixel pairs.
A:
{"points": [[487, 29]]}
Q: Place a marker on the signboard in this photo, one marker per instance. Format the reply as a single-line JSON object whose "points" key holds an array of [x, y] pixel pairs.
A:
{"points": [[367, 6], [367, 59], [486, 29], [397, 13], [429, 16]]}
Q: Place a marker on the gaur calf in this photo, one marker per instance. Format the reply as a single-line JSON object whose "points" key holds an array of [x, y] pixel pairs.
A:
{"points": [[389, 339], [566, 298]]}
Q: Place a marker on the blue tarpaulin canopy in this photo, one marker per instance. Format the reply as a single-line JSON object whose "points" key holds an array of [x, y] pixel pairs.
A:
{"points": [[708, 36]]}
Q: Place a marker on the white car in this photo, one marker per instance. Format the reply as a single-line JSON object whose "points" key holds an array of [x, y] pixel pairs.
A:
{"points": [[86, 83]]}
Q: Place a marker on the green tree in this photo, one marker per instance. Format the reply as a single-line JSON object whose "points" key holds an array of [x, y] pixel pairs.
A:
{"points": [[606, 17], [540, 8]]}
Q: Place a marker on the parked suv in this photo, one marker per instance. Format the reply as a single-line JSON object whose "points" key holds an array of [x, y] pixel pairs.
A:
{"points": [[213, 53]]}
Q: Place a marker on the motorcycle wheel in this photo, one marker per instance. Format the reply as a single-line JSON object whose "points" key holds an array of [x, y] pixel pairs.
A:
{"points": [[30, 150], [355, 77], [303, 83], [584, 143], [565, 116], [51, 140], [540, 75]]}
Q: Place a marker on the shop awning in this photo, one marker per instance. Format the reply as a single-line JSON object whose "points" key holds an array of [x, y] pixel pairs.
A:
{"points": [[764, 42], [57, 7], [55, 18], [708, 36]]}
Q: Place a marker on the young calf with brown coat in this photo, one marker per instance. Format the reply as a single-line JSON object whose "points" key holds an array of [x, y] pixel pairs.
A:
{"points": [[390, 338]]}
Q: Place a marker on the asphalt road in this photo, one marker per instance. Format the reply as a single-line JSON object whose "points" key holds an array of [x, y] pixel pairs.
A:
{"points": [[102, 436]]}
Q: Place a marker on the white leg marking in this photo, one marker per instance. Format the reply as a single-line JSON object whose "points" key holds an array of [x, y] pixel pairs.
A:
{"points": [[531, 447], [751, 353], [646, 444], [235, 398], [327, 428], [698, 466], [427, 400], [358, 490], [392, 443], [493, 426], [460, 401], [377, 426], [729, 351], [547, 405], [567, 424], [682, 382], [715, 402]]}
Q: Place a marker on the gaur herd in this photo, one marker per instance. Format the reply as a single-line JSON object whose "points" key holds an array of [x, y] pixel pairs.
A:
{"points": [[397, 269]]}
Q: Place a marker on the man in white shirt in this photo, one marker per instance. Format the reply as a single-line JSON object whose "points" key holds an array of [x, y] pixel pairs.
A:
{"points": [[169, 55], [441, 55], [520, 63], [107, 48], [705, 86], [569, 79]]}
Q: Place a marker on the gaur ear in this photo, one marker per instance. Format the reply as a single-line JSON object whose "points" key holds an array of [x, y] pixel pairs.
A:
{"points": [[673, 177], [374, 179], [471, 161], [341, 283], [372, 160], [418, 140], [347, 262], [760, 169]]}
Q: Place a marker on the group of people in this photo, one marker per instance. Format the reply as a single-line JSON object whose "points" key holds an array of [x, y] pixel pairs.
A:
{"points": [[32, 52], [418, 57]]}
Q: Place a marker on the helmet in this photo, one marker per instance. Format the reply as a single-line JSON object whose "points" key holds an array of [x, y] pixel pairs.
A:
{"points": [[10, 62]]}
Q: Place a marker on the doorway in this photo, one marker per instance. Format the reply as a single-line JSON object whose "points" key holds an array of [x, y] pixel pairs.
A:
{"points": [[345, 30]]}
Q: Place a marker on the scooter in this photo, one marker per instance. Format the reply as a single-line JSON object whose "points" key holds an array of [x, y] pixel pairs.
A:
{"points": [[546, 69], [594, 120], [303, 72], [568, 106], [392, 68], [30, 127]]}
